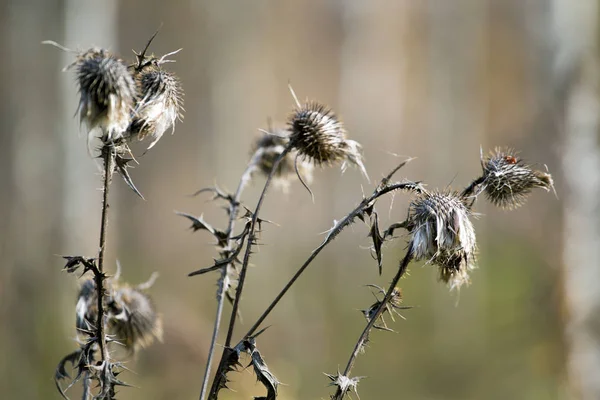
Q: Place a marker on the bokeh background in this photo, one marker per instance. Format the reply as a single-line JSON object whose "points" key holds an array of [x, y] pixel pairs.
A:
{"points": [[433, 79]]}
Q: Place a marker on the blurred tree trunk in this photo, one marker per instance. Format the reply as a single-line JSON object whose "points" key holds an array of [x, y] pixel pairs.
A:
{"points": [[576, 27]]}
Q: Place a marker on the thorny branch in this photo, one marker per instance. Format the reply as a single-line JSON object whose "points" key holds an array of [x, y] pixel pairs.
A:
{"points": [[365, 208], [220, 377], [228, 258], [340, 392]]}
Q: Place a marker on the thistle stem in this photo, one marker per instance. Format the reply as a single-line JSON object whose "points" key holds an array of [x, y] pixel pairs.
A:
{"points": [[250, 241], [216, 385], [335, 231], [382, 306], [108, 159], [234, 204]]}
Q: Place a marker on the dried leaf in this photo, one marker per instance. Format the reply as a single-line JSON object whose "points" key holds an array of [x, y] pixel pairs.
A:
{"points": [[122, 165], [264, 376], [377, 240]]}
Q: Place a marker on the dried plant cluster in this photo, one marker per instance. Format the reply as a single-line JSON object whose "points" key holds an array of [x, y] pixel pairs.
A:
{"points": [[439, 227], [119, 103]]}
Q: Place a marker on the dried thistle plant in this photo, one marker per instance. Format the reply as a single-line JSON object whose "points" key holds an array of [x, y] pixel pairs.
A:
{"points": [[439, 227], [117, 104]]}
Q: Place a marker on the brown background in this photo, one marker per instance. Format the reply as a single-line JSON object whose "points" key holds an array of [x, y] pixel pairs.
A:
{"points": [[430, 79]]}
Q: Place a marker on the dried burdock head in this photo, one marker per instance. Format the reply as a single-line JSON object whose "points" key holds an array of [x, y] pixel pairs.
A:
{"points": [[107, 93], [133, 320], [267, 149], [442, 234], [508, 180], [86, 311], [159, 97], [319, 136]]}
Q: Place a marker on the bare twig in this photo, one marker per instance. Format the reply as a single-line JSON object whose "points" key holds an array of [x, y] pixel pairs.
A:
{"points": [[234, 203]]}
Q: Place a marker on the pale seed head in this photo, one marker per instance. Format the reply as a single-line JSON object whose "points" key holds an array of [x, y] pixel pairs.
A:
{"points": [[133, 319], [443, 234], [159, 102]]}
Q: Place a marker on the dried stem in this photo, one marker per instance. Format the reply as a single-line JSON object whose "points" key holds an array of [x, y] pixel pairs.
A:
{"points": [[335, 231], [108, 158], [250, 242], [216, 386], [234, 204], [87, 383], [382, 306]]}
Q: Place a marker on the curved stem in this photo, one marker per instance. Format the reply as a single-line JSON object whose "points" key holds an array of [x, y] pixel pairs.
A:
{"points": [[108, 158], [224, 279], [249, 242], [336, 230], [382, 306]]}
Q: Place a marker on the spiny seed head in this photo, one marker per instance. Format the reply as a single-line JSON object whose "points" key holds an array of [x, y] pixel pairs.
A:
{"points": [[443, 234], [107, 92], [159, 101], [319, 136], [508, 180], [267, 148], [133, 320]]}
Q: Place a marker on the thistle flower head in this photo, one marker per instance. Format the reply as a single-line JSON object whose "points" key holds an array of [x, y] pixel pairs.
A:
{"points": [[267, 149], [159, 99], [133, 320], [443, 234], [508, 180], [319, 136], [107, 92]]}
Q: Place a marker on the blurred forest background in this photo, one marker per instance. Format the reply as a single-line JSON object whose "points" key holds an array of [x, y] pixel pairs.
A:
{"points": [[431, 79]]}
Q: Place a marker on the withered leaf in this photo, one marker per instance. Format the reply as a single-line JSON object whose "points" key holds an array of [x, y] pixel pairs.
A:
{"points": [[122, 165], [377, 240]]}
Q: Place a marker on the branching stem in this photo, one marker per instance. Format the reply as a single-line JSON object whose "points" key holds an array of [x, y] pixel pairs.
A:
{"points": [[238, 294], [250, 241], [335, 231], [234, 204]]}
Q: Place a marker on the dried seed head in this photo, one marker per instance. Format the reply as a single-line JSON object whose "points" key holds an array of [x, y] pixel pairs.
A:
{"points": [[443, 234], [159, 101], [268, 148], [86, 311], [133, 319], [319, 136], [508, 180], [107, 93]]}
